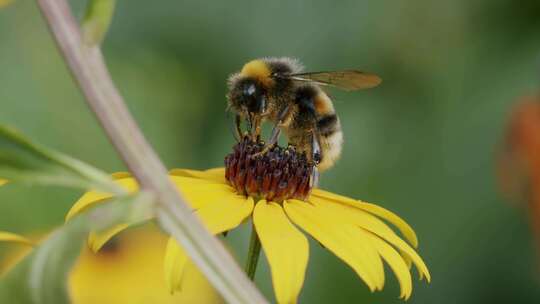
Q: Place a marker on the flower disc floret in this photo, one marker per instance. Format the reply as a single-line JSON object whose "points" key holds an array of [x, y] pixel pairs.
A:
{"points": [[276, 175]]}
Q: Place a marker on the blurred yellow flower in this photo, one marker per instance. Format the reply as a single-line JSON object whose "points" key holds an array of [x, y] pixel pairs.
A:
{"points": [[4, 3], [351, 229], [128, 270]]}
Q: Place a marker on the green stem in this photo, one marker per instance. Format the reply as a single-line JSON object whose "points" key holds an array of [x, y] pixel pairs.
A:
{"points": [[174, 214], [253, 254]]}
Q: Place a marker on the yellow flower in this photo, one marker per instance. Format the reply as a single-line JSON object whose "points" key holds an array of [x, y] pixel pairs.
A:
{"points": [[128, 270], [353, 230]]}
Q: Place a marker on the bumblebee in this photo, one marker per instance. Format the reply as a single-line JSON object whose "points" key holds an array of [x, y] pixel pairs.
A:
{"points": [[261, 92], [277, 90]]}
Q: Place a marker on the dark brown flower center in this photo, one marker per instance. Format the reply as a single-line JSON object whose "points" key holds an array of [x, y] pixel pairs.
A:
{"points": [[279, 174]]}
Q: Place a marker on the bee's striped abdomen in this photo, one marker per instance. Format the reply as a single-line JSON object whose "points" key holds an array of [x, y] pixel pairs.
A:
{"points": [[328, 124], [331, 139]]}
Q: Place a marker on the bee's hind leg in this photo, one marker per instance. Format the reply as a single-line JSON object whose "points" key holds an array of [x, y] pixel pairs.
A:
{"points": [[314, 178], [316, 151], [316, 157]]}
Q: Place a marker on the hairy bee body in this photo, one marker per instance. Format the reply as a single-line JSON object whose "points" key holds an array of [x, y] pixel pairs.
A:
{"points": [[276, 90], [314, 115], [271, 95]]}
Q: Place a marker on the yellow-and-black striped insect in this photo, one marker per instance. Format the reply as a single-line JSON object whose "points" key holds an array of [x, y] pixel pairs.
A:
{"points": [[277, 90]]}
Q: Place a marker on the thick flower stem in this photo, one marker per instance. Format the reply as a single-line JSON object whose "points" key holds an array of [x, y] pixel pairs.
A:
{"points": [[253, 254], [88, 67]]}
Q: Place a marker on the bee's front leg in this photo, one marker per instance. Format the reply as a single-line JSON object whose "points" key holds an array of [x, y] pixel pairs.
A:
{"points": [[237, 127], [276, 131], [256, 127]]}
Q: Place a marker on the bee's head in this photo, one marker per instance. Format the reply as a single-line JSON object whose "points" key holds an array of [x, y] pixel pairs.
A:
{"points": [[248, 90], [247, 95]]}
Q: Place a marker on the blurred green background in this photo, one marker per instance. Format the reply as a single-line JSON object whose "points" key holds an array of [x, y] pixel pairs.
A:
{"points": [[423, 144]]}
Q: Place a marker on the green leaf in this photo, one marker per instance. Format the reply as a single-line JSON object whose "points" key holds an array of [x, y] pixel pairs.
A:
{"points": [[42, 276], [142, 210], [97, 20], [127, 209], [52, 261], [24, 161]]}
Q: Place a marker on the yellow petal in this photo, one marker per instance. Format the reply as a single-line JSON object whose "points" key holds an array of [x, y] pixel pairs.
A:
{"points": [[196, 288], [406, 249], [226, 213], [370, 223], [198, 192], [329, 195], [174, 265], [96, 240], [120, 174], [286, 249], [408, 261], [219, 216], [393, 218], [215, 174], [92, 198], [396, 262], [3, 181], [14, 238], [342, 239]]}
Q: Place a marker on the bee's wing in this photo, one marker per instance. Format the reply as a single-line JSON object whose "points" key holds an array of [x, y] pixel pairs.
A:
{"points": [[348, 80]]}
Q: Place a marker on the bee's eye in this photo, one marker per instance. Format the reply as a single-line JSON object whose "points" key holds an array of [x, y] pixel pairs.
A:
{"points": [[250, 90], [253, 98]]}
